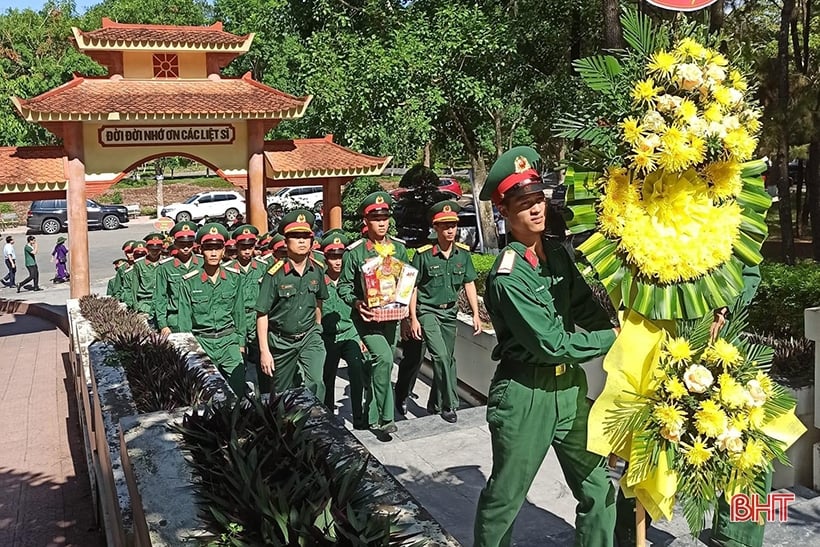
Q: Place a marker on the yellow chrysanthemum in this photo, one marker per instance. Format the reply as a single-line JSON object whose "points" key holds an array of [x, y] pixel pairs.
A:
{"points": [[686, 110], [698, 453], [675, 388], [678, 349], [644, 91], [756, 416], [722, 95], [632, 130], [669, 416], [644, 160], [710, 419], [740, 144], [751, 457], [716, 58], [662, 63], [739, 422], [724, 179], [726, 353], [737, 80], [712, 113], [692, 48], [753, 126], [765, 382], [732, 394]]}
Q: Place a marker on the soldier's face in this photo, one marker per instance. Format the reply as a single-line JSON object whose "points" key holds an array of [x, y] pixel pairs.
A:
{"points": [[213, 252], [377, 224], [334, 261], [184, 249], [527, 213], [154, 252], [446, 231], [246, 251], [299, 243], [130, 257]]}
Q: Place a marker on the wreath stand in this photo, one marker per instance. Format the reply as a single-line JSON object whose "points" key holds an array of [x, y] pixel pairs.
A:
{"points": [[640, 512]]}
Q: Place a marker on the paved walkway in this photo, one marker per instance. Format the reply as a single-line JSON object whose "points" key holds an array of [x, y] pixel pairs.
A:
{"points": [[45, 497]]}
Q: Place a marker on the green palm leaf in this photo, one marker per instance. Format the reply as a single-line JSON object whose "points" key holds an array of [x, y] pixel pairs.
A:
{"points": [[599, 72], [639, 32]]}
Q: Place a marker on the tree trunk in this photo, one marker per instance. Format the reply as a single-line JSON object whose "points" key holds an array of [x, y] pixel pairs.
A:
{"points": [[813, 188], [798, 194], [716, 17], [498, 139], [484, 209], [159, 178], [783, 186], [613, 33], [428, 153]]}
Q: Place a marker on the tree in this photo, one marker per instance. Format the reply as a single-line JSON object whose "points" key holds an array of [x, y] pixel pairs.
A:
{"points": [[156, 12]]}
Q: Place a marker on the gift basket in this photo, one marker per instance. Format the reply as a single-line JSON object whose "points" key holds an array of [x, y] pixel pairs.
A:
{"points": [[388, 286]]}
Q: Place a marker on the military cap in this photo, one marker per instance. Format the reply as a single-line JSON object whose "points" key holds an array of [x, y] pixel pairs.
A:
{"points": [[277, 242], [298, 220], [444, 211], [377, 201], [117, 261], [154, 239], [139, 248], [212, 231], [230, 244], [246, 232], [185, 230], [334, 240], [515, 173], [128, 245]]}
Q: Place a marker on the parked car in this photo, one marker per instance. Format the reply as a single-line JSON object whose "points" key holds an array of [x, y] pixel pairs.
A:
{"points": [[292, 197], [51, 215], [217, 204], [448, 186]]}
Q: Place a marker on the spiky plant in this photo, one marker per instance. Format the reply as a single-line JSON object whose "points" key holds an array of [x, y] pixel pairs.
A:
{"points": [[793, 360], [110, 320]]}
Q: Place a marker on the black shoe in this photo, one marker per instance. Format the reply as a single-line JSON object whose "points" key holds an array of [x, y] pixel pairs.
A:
{"points": [[389, 427], [359, 425], [401, 407], [37, 289], [431, 410], [19, 287], [449, 416]]}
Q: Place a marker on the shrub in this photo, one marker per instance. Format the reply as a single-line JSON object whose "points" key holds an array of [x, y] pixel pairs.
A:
{"points": [[148, 211], [267, 479], [784, 292], [793, 360], [352, 196], [6, 208], [482, 264]]}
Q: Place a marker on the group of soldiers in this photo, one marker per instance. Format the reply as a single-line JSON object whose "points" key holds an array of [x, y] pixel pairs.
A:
{"points": [[280, 310]]}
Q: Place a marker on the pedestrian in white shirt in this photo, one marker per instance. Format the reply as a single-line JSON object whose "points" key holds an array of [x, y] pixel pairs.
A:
{"points": [[11, 262]]}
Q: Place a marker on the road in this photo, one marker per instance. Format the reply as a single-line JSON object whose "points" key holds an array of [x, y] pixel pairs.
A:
{"points": [[103, 247]]}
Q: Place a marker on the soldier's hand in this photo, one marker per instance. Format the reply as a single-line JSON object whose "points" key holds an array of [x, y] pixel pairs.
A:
{"points": [[364, 311], [266, 363], [415, 329], [362, 347], [476, 325], [165, 331]]}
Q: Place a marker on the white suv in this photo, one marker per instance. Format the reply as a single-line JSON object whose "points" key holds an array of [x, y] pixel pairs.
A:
{"points": [[291, 197], [207, 205]]}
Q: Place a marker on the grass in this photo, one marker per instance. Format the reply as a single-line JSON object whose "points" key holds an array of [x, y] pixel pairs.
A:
{"points": [[203, 182]]}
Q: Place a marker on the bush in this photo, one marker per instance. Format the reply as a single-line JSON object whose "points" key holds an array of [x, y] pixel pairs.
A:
{"points": [[793, 360], [784, 292], [482, 264], [148, 211], [352, 196], [6, 208], [116, 198]]}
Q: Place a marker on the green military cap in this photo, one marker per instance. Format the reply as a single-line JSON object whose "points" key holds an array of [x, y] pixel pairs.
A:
{"points": [[185, 230], [212, 231], [128, 245], [375, 202], [298, 220], [334, 240], [246, 232], [277, 242], [117, 261], [515, 173], [230, 244], [154, 239], [139, 247], [444, 211]]}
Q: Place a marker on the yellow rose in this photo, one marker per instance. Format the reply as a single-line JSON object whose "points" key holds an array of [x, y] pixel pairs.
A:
{"points": [[730, 440], [756, 395], [690, 76], [698, 379], [671, 434]]}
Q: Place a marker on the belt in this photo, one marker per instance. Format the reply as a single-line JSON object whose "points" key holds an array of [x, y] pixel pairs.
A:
{"points": [[293, 337], [557, 370], [446, 306], [213, 334]]}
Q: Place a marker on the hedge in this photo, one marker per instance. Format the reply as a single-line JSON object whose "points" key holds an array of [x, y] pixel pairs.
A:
{"points": [[785, 291]]}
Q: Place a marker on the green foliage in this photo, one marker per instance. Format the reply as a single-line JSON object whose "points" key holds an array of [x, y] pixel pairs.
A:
{"points": [[157, 12], [793, 360], [6, 208], [116, 197], [148, 211], [267, 478], [482, 264], [352, 196], [784, 292]]}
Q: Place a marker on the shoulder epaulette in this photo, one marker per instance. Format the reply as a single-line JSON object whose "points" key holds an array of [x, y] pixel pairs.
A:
{"points": [[190, 274], [231, 268], [261, 260], [507, 262], [129, 268], [424, 248], [463, 246], [139, 260], [400, 240], [318, 262], [276, 267], [355, 244], [166, 259]]}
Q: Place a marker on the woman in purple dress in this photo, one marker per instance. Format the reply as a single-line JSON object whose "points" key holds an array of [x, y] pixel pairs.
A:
{"points": [[60, 254]]}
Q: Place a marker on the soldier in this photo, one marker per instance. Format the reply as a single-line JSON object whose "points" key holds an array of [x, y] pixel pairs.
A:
{"points": [[277, 247], [252, 269], [231, 251], [340, 336], [112, 288], [128, 290], [211, 307], [379, 337], [535, 296], [169, 276], [444, 267], [289, 311], [145, 277], [115, 285]]}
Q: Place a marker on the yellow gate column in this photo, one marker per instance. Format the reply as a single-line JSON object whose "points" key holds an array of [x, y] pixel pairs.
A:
{"points": [[77, 212], [332, 204], [257, 213]]}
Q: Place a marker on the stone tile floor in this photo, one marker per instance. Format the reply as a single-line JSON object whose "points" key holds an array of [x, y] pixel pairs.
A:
{"points": [[45, 497]]}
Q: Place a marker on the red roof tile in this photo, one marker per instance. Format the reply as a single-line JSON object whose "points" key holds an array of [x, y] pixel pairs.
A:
{"points": [[30, 165], [314, 158], [115, 35], [89, 99]]}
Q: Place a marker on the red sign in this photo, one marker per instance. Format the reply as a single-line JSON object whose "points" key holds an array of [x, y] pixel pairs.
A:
{"points": [[682, 5]]}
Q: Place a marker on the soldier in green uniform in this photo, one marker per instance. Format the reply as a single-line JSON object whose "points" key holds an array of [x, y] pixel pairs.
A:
{"points": [[340, 336], [252, 269], [112, 288], [535, 297], [444, 268], [379, 337], [116, 285], [277, 249], [289, 311], [145, 276], [128, 290], [169, 275], [231, 250], [211, 307]]}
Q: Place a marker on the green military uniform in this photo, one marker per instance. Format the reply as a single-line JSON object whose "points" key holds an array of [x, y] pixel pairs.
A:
{"points": [[213, 311], [145, 279], [379, 337], [117, 286], [341, 339], [439, 280], [114, 284], [128, 291], [537, 397], [290, 301], [168, 278]]}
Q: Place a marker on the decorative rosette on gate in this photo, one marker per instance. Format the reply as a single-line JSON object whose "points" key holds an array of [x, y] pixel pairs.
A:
{"points": [[678, 210]]}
